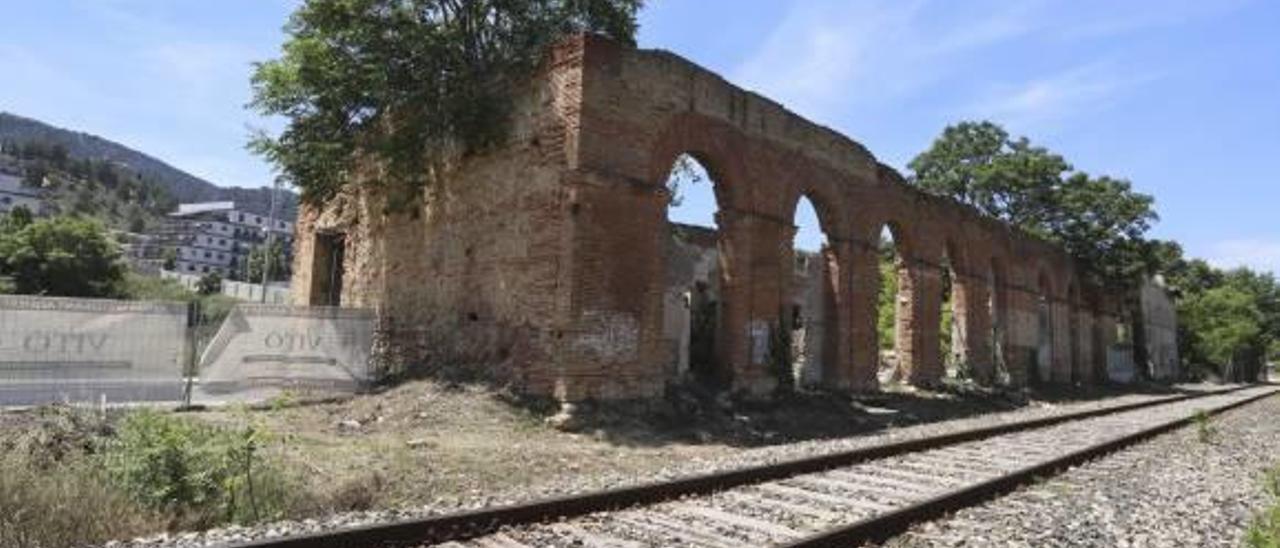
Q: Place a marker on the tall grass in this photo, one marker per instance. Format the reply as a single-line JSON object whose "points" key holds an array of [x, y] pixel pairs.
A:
{"points": [[66, 505], [75, 479], [1264, 531]]}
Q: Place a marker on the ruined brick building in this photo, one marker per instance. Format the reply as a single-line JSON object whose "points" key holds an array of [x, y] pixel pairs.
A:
{"points": [[551, 262]]}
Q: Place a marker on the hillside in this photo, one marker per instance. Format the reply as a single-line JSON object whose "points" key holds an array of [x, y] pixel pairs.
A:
{"points": [[180, 185]]}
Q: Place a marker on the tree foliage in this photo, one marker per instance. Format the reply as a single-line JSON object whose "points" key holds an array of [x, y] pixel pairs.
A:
{"points": [[1228, 321], [1099, 220], [977, 163], [408, 83], [62, 256], [1224, 320], [279, 267]]}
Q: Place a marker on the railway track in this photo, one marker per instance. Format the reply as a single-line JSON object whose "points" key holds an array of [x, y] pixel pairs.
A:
{"points": [[836, 500]]}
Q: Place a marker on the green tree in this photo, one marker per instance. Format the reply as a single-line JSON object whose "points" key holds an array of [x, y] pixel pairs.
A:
{"points": [[275, 257], [63, 256], [209, 284], [1101, 221], [170, 258], [408, 83], [17, 219], [1225, 322], [978, 164]]}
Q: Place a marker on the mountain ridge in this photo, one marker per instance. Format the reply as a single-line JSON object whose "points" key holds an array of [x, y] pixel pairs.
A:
{"points": [[182, 186]]}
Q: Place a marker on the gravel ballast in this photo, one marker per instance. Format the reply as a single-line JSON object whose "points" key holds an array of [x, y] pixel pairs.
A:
{"points": [[1173, 491], [662, 471]]}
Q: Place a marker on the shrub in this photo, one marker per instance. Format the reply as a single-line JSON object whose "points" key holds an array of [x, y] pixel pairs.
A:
{"points": [[66, 505], [62, 256], [140, 287], [1264, 531], [58, 434], [202, 474], [1205, 431], [209, 284]]}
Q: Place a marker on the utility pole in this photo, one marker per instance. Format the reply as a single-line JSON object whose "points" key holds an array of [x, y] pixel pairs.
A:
{"points": [[266, 251]]}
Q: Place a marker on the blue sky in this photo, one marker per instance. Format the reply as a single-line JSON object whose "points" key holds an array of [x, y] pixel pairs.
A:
{"points": [[1180, 97]]}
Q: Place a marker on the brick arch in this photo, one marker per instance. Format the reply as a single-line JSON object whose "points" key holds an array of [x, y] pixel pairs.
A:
{"points": [[903, 235], [822, 190], [714, 145], [1042, 275], [1043, 283]]}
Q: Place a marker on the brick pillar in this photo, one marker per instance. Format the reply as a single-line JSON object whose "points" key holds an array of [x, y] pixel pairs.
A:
{"points": [[976, 328], [1104, 338], [919, 319], [1021, 334], [761, 245], [733, 347], [1060, 370], [1084, 349], [838, 372], [864, 343]]}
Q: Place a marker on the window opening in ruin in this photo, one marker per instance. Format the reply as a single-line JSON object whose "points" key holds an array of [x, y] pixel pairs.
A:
{"points": [[327, 272], [895, 296], [691, 302], [812, 299]]}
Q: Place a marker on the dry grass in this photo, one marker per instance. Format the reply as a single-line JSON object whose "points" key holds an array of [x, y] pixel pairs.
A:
{"points": [[425, 444], [68, 505]]}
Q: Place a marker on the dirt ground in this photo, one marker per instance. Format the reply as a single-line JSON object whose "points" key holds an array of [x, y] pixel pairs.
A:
{"points": [[427, 444]]}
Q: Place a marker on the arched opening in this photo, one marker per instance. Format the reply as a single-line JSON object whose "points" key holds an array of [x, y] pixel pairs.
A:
{"points": [[811, 298], [951, 328], [894, 299], [692, 298], [1043, 366], [997, 307]]}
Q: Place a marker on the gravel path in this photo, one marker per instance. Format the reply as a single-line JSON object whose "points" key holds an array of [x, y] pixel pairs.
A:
{"points": [[1172, 491], [744, 458]]}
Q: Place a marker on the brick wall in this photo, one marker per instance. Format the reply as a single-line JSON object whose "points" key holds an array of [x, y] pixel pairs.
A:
{"points": [[544, 263]]}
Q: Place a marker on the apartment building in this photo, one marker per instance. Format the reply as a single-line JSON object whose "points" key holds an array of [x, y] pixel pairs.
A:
{"points": [[215, 237]]}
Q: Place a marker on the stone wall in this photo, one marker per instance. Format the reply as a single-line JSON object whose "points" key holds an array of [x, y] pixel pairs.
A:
{"points": [[546, 263]]}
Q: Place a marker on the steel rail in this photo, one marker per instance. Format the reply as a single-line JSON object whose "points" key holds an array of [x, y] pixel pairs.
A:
{"points": [[885, 526], [473, 523]]}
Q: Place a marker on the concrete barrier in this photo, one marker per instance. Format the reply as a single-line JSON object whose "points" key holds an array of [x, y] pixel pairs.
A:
{"points": [[279, 347]]}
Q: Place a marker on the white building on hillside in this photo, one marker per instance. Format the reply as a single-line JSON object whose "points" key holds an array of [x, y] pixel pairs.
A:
{"points": [[215, 237]]}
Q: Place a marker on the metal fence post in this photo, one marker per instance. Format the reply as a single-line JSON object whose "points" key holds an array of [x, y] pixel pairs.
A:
{"points": [[189, 365]]}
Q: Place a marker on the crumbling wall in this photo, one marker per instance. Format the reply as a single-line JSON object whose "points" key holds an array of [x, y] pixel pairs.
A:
{"points": [[470, 281], [549, 262]]}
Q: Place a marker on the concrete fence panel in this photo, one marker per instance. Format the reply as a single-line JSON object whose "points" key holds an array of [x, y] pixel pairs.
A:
{"points": [[87, 350], [271, 347]]}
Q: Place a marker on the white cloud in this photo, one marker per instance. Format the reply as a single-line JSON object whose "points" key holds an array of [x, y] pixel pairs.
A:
{"points": [[1048, 100], [1258, 254], [825, 55]]}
